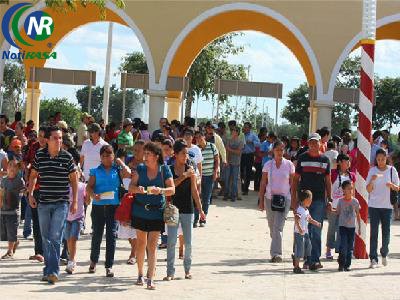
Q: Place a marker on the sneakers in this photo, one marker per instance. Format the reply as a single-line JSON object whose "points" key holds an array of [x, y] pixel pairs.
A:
{"points": [[384, 261], [297, 270], [52, 279], [202, 224], [276, 259], [92, 268], [109, 273], [70, 267], [373, 264], [315, 267]]}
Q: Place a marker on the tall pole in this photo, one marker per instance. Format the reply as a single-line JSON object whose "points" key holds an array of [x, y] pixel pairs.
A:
{"points": [[125, 75], [106, 93], [365, 119]]}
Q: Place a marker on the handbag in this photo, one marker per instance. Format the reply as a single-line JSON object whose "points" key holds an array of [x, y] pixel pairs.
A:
{"points": [[278, 202], [171, 212], [123, 213], [393, 194]]}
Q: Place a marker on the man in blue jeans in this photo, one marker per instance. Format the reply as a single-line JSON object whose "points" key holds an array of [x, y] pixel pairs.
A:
{"points": [[210, 169], [57, 172], [313, 173]]}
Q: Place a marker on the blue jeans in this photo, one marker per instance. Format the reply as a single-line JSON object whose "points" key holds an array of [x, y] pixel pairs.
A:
{"points": [[231, 181], [383, 216], [103, 215], [28, 219], [346, 246], [186, 220], [317, 212], [52, 218], [207, 184], [302, 245]]}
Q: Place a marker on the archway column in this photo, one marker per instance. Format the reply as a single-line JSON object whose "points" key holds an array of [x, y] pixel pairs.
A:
{"points": [[320, 114], [32, 105], [156, 107], [174, 107]]}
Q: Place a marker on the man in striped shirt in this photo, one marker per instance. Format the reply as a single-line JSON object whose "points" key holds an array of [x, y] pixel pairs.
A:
{"points": [[210, 169], [57, 172]]}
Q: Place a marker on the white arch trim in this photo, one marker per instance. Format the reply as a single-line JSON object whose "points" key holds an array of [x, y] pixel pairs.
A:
{"points": [[240, 6], [347, 50], [110, 5]]}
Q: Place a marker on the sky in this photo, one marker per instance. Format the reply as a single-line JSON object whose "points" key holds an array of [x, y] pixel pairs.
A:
{"points": [[268, 58]]}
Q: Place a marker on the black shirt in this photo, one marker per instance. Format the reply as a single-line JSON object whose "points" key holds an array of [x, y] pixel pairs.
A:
{"points": [[54, 175], [313, 171], [183, 194]]}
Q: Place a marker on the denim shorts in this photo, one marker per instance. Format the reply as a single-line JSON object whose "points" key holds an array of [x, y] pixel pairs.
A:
{"points": [[302, 245], [73, 229], [9, 227]]}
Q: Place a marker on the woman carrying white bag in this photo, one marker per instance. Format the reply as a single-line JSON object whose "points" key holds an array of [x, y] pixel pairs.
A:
{"points": [[275, 191]]}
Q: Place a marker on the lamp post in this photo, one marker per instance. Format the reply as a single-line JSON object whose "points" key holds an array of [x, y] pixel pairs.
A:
{"points": [[365, 119]]}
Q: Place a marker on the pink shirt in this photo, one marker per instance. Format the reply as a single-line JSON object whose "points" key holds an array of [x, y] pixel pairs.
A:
{"points": [[80, 213], [278, 182]]}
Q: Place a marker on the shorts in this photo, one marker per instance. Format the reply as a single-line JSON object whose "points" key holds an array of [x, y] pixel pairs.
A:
{"points": [[126, 232], [302, 245], [73, 229], [9, 227], [147, 225]]}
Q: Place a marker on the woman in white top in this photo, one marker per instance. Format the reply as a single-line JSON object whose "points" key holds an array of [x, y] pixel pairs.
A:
{"points": [[276, 181], [380, 181]]}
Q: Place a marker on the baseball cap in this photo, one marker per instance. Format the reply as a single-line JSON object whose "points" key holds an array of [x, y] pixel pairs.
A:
{"points": [[127, 122], [94, 127], [314, 136]]}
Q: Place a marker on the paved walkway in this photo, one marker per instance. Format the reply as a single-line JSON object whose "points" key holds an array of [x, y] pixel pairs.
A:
{"points": [[230, 261]]}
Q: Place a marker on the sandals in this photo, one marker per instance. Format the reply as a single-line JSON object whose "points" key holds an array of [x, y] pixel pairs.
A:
{"points": [[37, 257], [140, 280], [150, 284], [109, 273], [131, 261], [8, 255], [16, 244]]}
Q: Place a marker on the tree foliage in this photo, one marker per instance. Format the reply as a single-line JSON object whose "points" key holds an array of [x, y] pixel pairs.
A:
{"points": [[134, 62], [133, 101], [386, 112], [296, 110], [14, 83], [68, 5], [71, 113]]}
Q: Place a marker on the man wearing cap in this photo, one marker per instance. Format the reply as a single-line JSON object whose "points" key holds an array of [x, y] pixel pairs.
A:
{"points": [[313, 173], [125, 138], [90, 153], [83, 130]]}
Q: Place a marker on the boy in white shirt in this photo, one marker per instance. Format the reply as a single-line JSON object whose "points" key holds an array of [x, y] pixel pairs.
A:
{"points": [[302, 243]]}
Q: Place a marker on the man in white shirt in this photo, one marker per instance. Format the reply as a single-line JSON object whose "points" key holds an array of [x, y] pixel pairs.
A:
{"points": [[194, 150], [90, 153]]}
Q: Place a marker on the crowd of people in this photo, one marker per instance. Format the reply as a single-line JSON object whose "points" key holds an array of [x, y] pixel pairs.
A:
{"points": [[128, 175]]}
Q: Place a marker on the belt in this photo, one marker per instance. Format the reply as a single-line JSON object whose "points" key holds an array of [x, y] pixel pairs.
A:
{"points": [[148, 206]]}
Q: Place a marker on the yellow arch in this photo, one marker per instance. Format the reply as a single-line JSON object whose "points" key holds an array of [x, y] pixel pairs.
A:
{"points": [[226, 22], [64, 23]]}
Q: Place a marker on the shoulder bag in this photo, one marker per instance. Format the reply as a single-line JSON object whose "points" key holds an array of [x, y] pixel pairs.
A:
{"points": [[171, 212], [278, 202], [393, 193]]}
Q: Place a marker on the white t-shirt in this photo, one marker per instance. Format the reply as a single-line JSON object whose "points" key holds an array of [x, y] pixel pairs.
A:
{"points": [[195, 154], [91, 154], [337, 191], [380, 195], [332, 155], [304, 216]]}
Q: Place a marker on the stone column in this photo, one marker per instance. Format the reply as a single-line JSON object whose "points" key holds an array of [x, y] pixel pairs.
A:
{"points": [[174, 108], [324, 114], [32, 105], [156, 108]]}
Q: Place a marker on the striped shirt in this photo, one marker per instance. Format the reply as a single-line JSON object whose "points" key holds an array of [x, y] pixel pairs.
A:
{"points": [[54, 175], [208, 154]]}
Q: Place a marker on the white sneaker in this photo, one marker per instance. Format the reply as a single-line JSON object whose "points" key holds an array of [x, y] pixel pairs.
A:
{"points": [[70, 267], [384, 261], [373, 264]]}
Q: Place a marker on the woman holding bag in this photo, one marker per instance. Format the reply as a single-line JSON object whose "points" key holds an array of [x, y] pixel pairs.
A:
{"points": [[381, 180], [185, 192], [151, 182], [275, 190], [103, 187]]}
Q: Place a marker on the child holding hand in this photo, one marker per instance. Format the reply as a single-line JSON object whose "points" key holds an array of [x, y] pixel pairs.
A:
{"points": [[302, 247]]}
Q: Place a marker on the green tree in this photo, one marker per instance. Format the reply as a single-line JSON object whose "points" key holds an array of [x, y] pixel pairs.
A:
{"points": [[133, 100], [14, 83], [70, 112], [68, 5], [211, 64], [387, 109], [296, 110], [134, 62]]}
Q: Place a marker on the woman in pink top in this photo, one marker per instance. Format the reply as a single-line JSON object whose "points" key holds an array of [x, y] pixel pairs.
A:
{"points": [[275, 183]]}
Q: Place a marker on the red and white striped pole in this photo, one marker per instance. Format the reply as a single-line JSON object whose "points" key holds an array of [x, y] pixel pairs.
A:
{"points": [[365, 119]]}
